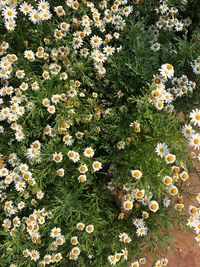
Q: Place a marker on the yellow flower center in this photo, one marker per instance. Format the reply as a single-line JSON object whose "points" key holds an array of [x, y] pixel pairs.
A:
{"points": [[153, 206], [96, 165], [136, 174], [184, 175], [193, 211], [9, 13], [174, 191], [196, 141], [128, 206], [168, 180], [36, 16], [140, 194], [197, 117], [169, 67], [170, 158]]}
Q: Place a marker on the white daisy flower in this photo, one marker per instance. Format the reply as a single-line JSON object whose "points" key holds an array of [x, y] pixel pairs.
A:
{"points": [[138, 222], [170, 158], [96, 41], [25, 8], [76, 251], [141, 231], [173, 190], [136, 174], [35, 16], [60, 240], [162, 149], [57, 157], [82, 178], [197, 227], [108, 50], [3, 172], [167, 70], [195, 117], [128, 205], [195, 141], [29, 54], [35, 255], [112, 259], [135, 264], [55, 232], [9, 13], [196, 69], [191, 221], [60, 172], [88, 152], [20, 186], [89, 228], [43, 5], [96, 165], [51, 109], [188, 131], [83, 168], [80, 226], [153, 206], [20, 74]]}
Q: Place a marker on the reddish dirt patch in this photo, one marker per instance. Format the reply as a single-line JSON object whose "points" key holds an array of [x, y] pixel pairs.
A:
{"points": [[186, 251]]}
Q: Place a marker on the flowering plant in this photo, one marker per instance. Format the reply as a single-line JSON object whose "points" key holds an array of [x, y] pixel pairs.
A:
{"points": [[92, 154]]}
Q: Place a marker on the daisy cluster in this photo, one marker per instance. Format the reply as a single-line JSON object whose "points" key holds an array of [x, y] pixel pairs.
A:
{"points": [[75, 157], [191, 132], [96, 32], [118, 256], [168, 21], [161, 262], [196, 66], [109, 21], [138, 263], [13, 101], [166, 88], [36, 13], [194, 219], [57, 241], [93, 35], [34, 221], [75, 251], [34, 255], [173, 182], [19, 191], [132, 197], [123, 255], [102, 46], [106, 21], [33, 153]]}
